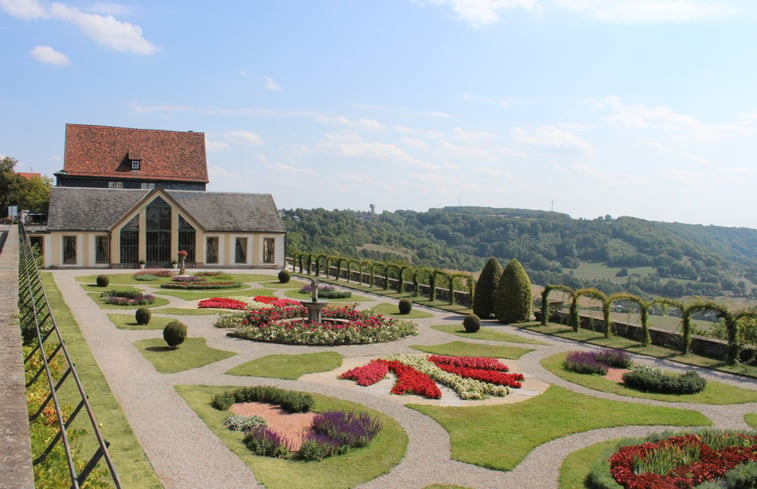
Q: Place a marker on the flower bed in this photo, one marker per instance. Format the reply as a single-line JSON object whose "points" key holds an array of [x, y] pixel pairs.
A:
{"points": [[222, 303], [326, 291], [283, 325], [596, 362], [682, 461], [453, 372], [199, 285]]}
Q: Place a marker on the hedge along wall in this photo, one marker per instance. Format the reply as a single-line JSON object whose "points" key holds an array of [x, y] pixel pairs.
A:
{"points": [[371, 272], [731, 319]]}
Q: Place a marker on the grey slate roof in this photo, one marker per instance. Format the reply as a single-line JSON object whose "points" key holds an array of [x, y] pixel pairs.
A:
{"points": [[96, 209]]}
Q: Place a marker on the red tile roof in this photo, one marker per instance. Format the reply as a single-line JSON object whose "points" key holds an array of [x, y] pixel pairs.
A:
{"points": [[28, 175], [105, 151]]}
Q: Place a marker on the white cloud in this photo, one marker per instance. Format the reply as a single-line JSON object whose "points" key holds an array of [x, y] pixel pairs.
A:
{"points": [[414, 143], [648, 10], [467, 152], [553, 139], [607, 177], [245, 137], [495, 172], [46, 54], [481, 13], [241, 111], [211, 145], [346, 121], [109, 8], [354, 146], [291, 170], [105, 29], [24, 9], [271, 85], [471, 136]]}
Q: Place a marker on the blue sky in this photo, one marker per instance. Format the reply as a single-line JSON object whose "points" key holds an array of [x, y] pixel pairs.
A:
{"points": [[645, 108]]}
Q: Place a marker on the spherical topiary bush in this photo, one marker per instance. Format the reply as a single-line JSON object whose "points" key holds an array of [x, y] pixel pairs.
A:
{"points": [[102, 281], [514, 296], [405, 305], [142, 316], [472, 323], [284, 276], [175, 333]]}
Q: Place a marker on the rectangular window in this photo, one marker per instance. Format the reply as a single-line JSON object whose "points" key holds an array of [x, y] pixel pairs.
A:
{"points": [[102, 250], [148, 186], [269, 248], [211, 249], [135, 164], [115, 184], [240, 253], [69, 250]]}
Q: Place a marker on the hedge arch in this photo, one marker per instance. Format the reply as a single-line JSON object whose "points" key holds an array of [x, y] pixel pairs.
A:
{"points": [[299, 261], [387, 268], [721, 312], [662, 301], [365, 265], [643, 312], [350, 262], [310, 264], [339, 260], [418, 275], [466, 280], [375, 271], [734, 343], [401, 278], [434, 281], [545, 304], [594, 294]]}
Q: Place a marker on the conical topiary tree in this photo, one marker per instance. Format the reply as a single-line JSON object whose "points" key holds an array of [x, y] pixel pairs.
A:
{"points": [[484, 296], [514, 298]]}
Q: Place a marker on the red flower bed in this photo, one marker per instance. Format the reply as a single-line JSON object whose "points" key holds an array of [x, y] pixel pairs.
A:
{"points": [[412, 381], [482, 363], [490, 376], [222, 303], [276, 301], [367, 374], [711, 464], [265, 299]]}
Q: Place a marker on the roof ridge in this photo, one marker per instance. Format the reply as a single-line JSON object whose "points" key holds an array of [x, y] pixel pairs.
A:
{"points": [[190, 131]]}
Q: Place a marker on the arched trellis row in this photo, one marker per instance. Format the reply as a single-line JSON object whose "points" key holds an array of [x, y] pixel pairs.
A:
{"points": [[594, 294], [350, 263], [643, 312], [339, 260], [401, 279], [464, 280], [721, 311], [378, 268], [434, 280], [734, 342], [365, 269], [661, 301], [418, 275], [387, 269], [545, 296]]}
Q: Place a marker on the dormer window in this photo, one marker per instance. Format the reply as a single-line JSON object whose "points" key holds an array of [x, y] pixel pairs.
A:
{"points": [[135, 156], [135, 164]]}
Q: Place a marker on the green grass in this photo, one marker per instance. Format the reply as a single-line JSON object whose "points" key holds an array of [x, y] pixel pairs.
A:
{"points": [[95, 296], [296, 294], [485, 333], [134, 469], [193, 295], [342, 472], [179, 311], [193, 353], [120, 279], [713, 393], [288, 366], [576, 467], [751, 420], [632, 346], [127, 321], [464, 349], [393, 311], [500, 436]]}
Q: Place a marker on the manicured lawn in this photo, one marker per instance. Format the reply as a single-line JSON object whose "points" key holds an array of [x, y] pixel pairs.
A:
{"points": [[485, 333], [500, 436], [95, 296], [577, 466], [295, 294], [288, 366], [751, 420], [631, 346], [464, 349], [393, 311], [193, 295], [134, 469], [127, 321], [178, 311], [341, 472], [193, 353], [713, 393], [120, 279]]}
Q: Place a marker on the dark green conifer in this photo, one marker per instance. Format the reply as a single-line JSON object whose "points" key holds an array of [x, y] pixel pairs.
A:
{"points": [[486, 288], [514, 297]]}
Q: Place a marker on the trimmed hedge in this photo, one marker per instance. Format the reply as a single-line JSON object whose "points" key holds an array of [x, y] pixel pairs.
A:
{"points": [[293, 402], [175, 333], [284, 276], [514, 295], [472, 323], [484, 298], [102, 281], [201, 285], [646, 380], [142, 316], [405, 306]]}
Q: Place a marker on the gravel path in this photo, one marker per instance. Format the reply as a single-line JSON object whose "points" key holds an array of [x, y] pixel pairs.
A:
{"points": [[186, 454]]}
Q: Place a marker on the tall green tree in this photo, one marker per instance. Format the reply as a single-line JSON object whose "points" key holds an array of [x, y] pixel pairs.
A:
{"points": [[514, 295], [484, 296], [28, 194]]}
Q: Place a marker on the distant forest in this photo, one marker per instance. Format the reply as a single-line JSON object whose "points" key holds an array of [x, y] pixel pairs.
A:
{"points": [[623, 255]]}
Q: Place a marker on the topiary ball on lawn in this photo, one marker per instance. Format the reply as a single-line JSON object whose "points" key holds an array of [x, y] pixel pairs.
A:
{"points": [[103, 281], [284, 276], [142, 316], [405, 305], [175, 333], [471, 323]]}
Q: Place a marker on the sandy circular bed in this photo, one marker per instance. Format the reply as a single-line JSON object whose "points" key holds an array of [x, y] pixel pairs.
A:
{"points": [[616, 374], [293, 426]]}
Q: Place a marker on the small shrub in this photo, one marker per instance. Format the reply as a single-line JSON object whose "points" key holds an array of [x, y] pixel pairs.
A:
{"points": [[127, 298], [142, 316], [261, 440], [284, 276], [614, 358], [472, 323], [175, 333], [336, 432], [103, 281], [662, 383], [237, 422], [584, 362], [293, 402], [405, 306]]}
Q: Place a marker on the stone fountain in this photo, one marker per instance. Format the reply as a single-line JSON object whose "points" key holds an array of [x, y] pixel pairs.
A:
{"points": [[314, 306]]}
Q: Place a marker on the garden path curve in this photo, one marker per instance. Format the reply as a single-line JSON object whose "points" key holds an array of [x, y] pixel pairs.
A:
{"points": [[185, 452]]}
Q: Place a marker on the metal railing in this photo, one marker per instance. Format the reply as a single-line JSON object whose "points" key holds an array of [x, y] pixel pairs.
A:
{"points": [[35, 312]]}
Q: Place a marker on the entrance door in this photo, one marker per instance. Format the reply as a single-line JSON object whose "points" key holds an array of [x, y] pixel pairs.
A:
{"points": [[158, 233]]}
